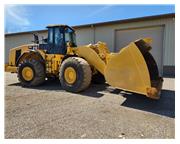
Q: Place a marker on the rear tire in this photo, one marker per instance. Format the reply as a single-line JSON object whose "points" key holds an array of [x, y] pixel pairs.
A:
{"points": [[38, 73], [82, 74]]}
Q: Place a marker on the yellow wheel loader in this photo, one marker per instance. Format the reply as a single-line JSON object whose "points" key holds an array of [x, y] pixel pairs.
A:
{"points": [[131, 69]]}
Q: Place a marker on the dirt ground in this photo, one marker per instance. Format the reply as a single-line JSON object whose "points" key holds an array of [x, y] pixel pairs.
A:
{"points": [[101, 111]]}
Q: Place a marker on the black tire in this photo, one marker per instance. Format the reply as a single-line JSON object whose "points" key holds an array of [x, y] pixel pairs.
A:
{"points": [[83, 74], [38, 73], [98, 78]]}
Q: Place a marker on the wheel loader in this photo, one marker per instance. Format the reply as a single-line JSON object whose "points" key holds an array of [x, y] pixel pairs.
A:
{"points": [[131, 69]]}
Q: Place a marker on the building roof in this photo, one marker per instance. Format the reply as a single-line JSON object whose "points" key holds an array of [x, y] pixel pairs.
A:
{"points": [[153, 17]]}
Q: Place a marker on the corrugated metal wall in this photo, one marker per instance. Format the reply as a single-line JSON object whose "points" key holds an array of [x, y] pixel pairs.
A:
{"points": [[106, 33], [169, 43], [125, 36]]}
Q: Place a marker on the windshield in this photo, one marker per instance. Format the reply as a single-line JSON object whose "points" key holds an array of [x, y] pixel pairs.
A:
{"points": [[70, 36]]}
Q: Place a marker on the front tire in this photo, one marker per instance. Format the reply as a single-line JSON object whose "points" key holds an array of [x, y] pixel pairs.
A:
{"points": [[31, 73], [75, 74]]}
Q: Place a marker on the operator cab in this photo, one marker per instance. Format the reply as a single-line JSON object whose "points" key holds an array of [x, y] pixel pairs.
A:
{"points": [[59, 36]]}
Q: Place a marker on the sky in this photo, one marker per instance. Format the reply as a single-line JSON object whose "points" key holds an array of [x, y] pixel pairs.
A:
{"points": [[19, 18]]}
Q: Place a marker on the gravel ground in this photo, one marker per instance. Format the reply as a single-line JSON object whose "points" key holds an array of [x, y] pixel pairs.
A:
{"points": [[101, 111]]}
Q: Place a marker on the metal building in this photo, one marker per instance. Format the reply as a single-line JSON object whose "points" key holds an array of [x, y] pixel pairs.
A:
{"points": [[117, 34]]}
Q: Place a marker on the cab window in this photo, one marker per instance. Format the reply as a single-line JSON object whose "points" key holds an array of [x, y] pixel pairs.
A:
{"points": [[50, 36]]}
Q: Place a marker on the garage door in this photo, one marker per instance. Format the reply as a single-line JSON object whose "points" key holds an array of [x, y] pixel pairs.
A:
{"points": [[123, 37]]}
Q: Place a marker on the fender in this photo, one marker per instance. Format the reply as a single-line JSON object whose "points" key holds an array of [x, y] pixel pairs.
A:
{"points": [[28, 53], [91, 57]]}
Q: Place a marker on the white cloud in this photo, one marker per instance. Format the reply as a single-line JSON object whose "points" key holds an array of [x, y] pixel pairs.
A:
{"points": [[94, 13], [16, 18]]}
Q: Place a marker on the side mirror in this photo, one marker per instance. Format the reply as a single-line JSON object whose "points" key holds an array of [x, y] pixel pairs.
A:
{"points": [[36, 38]]}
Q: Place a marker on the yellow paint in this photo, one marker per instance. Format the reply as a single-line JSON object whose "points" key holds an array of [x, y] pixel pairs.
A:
{"points": [[103, 50], [42, 53], [125, 70], [70, 50], [27, 73], [12, 53], [91, 57], [12, 69], [148, 40], [70, 75], [128, 70], [53, 62]]}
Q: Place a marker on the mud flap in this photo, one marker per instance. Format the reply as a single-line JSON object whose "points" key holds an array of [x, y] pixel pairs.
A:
{"points": [[131, 70]]}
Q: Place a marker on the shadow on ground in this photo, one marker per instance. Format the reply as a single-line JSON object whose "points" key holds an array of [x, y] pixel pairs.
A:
{"points": [[54, 85], [164, 106]]}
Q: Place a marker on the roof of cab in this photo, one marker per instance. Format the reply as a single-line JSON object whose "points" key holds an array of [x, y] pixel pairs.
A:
{"points": [[57, 25]]}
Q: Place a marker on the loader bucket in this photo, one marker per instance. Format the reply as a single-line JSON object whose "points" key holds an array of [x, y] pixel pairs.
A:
{"points": [[134, 69]]}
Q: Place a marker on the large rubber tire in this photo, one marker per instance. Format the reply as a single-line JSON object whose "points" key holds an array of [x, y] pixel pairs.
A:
{"points": [[83, 74], [98, 78], [38, 73]]}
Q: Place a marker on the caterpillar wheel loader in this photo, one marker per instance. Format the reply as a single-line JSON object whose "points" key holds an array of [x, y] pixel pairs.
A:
{"points": [[132, 69]]}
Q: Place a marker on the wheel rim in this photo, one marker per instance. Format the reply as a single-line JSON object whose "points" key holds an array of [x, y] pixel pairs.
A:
{"points": [[70, 75], [27, 73]]}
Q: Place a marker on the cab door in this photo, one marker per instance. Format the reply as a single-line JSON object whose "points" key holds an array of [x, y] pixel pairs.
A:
{"points": [[56, 41]]}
